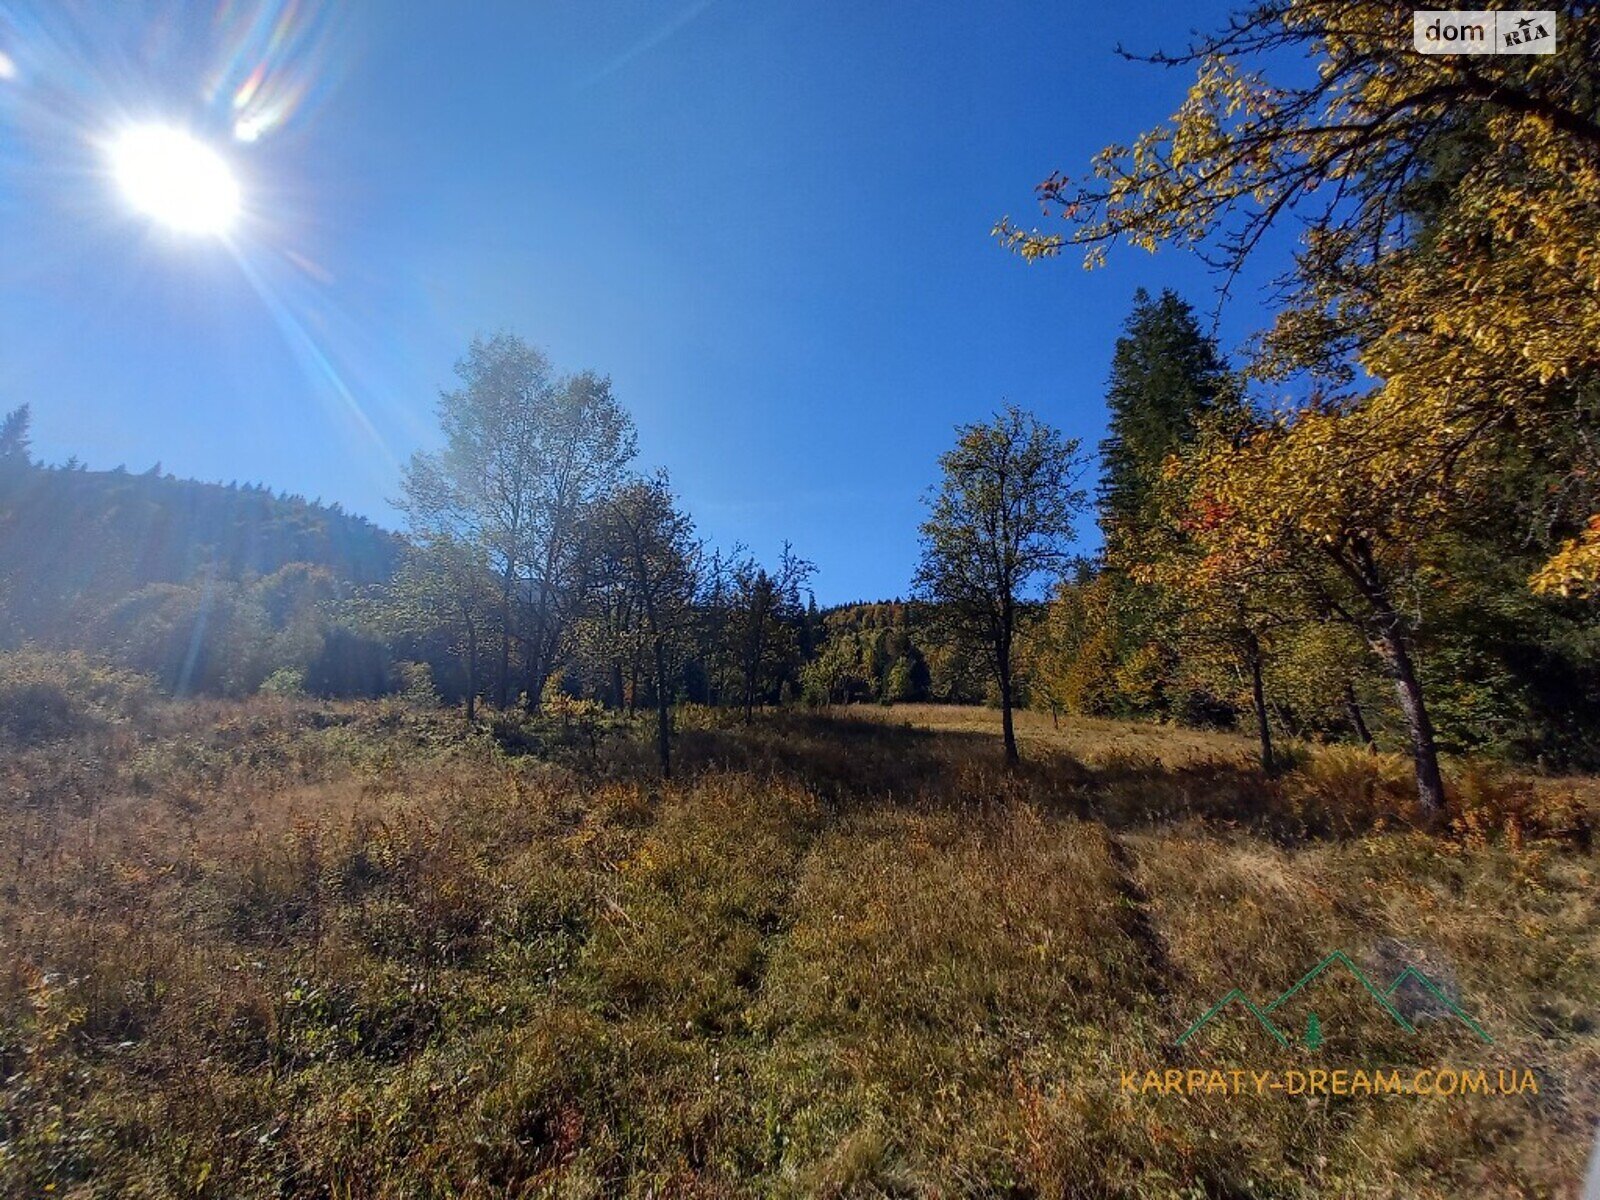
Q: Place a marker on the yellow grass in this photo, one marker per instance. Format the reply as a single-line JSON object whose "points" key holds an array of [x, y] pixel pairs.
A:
{"points": [[1091, 739], [278, 948]]}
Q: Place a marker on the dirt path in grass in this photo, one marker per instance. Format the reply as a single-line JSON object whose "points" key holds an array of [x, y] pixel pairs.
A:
{"points": [[1136, 919]]}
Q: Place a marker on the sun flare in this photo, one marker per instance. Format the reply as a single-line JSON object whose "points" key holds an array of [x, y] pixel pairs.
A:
{"points": [[176, 180]]}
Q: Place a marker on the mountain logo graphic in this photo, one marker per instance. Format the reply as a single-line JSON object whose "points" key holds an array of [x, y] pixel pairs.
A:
{"points": [[1313, 1038]]}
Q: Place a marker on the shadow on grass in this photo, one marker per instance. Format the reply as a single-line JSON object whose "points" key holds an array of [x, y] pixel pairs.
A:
{"points": [[847, 762], [839, 759], [1329, 793]]}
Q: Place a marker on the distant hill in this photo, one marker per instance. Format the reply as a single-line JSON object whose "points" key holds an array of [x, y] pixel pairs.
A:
{"points": [[74, 543]]}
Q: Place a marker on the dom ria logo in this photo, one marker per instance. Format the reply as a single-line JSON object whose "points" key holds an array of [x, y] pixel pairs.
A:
{"points": [[1478, 32]]}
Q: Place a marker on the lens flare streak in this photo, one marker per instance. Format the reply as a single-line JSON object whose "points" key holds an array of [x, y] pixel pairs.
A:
{"points": [[313, 360]]}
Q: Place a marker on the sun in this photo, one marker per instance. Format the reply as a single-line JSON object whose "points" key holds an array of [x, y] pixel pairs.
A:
{"points": [[175, 179]]}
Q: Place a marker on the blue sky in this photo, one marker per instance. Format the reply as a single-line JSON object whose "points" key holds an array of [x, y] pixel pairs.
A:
{"points": [[768, 222]]}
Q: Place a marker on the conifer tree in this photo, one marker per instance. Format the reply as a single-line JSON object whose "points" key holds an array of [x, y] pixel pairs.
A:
{"points": [[1166, 375]]}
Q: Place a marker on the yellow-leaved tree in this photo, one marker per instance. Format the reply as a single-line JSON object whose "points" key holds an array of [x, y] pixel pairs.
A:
{"points": [[1447, 287]]}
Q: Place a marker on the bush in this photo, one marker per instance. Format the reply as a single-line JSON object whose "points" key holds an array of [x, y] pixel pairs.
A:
{"points": [[1202, 710], [349, 664], [287, 682], [46, 697], [39, 710], [414, 682]]}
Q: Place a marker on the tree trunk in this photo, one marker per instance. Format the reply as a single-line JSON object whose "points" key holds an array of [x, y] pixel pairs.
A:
{"points": [[1391, 641], [617, 700], [663, 713], [1352, 710], [752, 671], [1258, 700], [472, 673], [503, 684], [1286, 719], [534, 695], [1007, 729], [1396, 653]]}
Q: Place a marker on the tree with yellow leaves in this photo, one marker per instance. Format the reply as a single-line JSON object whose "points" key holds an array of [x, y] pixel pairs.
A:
{"points": [[1278, 523], [1451, 252]]}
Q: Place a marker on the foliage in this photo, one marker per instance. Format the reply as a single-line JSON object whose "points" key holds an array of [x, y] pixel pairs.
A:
{"points": [[1449, 204], [526, 456], [1001, 515], [762, 620], [873, 652], [443, 593], [14, 441], [658, 565], [1112, 639], [45, 696], [284, 682], [1166, 376]]}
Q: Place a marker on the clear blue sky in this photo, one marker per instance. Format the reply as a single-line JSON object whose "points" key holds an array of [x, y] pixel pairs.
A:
{"points": [[768, 222]]}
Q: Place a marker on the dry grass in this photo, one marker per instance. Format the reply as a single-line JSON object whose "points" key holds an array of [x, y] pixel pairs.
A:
{"points": [[274, 949], [1090, 739]]}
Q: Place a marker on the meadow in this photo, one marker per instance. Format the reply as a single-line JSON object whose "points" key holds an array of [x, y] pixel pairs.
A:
{"points": [[282, 947]]}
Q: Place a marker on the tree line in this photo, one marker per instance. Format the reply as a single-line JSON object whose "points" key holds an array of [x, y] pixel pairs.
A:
{"points": [[545, 564], [1379, 523], [1389, 505]]}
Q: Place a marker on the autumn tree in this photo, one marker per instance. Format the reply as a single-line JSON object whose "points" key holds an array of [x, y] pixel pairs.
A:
{"points": [[764, 615], [481, 486], [445, 586], [586, 441], [526, 455], [1000, 517], [1275, 506], [1073, 648], [1166, 377], [653, 545], [1464, 282]]}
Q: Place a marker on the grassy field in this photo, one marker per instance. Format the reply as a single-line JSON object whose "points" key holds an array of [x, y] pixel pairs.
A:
{"points": [[1085, 738], [279, 948]]}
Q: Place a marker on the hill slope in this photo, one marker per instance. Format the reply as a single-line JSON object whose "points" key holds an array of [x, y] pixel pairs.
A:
{"points": [[74, 540]]}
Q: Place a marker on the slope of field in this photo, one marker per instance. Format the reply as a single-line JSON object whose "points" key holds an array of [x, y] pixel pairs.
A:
{"points": [[271, 949]]}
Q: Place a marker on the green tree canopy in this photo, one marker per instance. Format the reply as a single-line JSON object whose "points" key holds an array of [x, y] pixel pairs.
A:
{"points": [[1001, 516]]}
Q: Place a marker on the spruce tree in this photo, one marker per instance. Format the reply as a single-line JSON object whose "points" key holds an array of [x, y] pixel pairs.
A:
{"points": [[1166, 373]]}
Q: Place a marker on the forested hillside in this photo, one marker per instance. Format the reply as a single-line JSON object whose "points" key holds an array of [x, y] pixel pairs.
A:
{"points": [[209, 587]]}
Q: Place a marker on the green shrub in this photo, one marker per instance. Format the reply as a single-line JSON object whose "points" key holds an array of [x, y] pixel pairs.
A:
{"points": [[414, 682], [287, 682]]}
